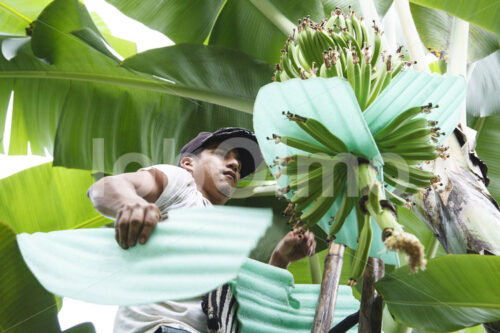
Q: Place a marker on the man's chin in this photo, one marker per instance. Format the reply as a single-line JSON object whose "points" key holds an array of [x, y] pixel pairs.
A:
{"points": [[226, 190]]}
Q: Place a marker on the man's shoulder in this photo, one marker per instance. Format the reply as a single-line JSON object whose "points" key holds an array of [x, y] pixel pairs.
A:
{"points": [[168, 169], [174, 174]]}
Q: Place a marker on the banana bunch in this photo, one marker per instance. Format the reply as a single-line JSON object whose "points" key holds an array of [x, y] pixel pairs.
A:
{"points": [[340, 46], [326, 171], [406, 142]]}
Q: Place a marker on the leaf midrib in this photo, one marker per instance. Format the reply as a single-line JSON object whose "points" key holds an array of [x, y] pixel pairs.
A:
{"points": [[441, 303], [15, 12], [229, 100]]}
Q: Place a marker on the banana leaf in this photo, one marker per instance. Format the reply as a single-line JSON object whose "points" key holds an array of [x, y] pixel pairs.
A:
{"points": [[43, 92], [81, 328], [16, 16], [46, 198], [195, 251], [484, 13], [488, 141], [5, 92], [124, 47], [181, 21], [26, 306], [482, 87], [454, 292], [434, 28]]}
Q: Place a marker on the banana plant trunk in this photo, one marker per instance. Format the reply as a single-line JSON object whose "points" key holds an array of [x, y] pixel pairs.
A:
{"points": [[371, 307], [329, 288]]}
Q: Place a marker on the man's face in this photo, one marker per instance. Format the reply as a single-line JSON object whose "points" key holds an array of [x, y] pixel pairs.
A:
{"points": [[216, 172]]}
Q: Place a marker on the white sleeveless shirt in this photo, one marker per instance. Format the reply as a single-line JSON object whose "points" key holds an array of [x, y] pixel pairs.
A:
{"points": [[181, 191]]}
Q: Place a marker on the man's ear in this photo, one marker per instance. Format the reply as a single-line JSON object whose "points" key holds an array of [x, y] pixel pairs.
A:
{"points": [[188, 163]]}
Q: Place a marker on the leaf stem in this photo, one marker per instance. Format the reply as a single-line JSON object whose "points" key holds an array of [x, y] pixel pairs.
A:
{"points": [[90, 222], [431, 249], [15, 12], [314, 266], [274, 15], [413, 42], [230, 101]]}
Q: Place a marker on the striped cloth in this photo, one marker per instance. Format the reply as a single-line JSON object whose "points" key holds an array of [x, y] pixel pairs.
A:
{"points": [[220, 306]]}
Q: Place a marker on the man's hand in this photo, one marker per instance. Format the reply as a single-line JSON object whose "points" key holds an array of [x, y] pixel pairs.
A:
{"points": [[135, 222], [294, 246]]}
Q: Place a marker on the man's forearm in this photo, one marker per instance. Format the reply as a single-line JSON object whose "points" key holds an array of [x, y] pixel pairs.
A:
{"points": [[110, 194], [278, 260]]}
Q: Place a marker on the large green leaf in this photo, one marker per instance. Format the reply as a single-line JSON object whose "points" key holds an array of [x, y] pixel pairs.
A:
{"points": [[5, 92], [16, 15], [483, 86], [488, 141], [81, 328], [44, 198], [181, 21], [208, 70], [124, 47], [72, 60], [434, 27], [241, 25], [302, 273], [101, 125], [455, 291], [26, 306], [481, 12]]}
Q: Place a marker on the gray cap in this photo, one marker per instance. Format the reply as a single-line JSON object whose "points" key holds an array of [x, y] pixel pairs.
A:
{"points": [[229, 138]]}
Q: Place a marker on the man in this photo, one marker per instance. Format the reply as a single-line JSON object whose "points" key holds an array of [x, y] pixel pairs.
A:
{"points": [[210, 167]]}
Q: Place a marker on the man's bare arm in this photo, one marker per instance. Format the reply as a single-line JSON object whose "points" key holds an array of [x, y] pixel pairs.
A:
{"points": [[129, 198]]}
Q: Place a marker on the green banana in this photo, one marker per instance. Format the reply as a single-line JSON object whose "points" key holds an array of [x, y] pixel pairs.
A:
{"points": [[303, 193], [357, 80], [374, 197], [304, 202], [377, 46], [357, 28], [419, 156], [362, 252], [401, 185], [354, 43], [377, 86], [416, 133], [350, 69], [366, 70], [319, 132], [394, 198], [306, 178], [299, 144], [319, 208], [344, 210], [398, 164], [388, 172], [340, 20], [399, 120], [364, 33], [405, 147]]}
